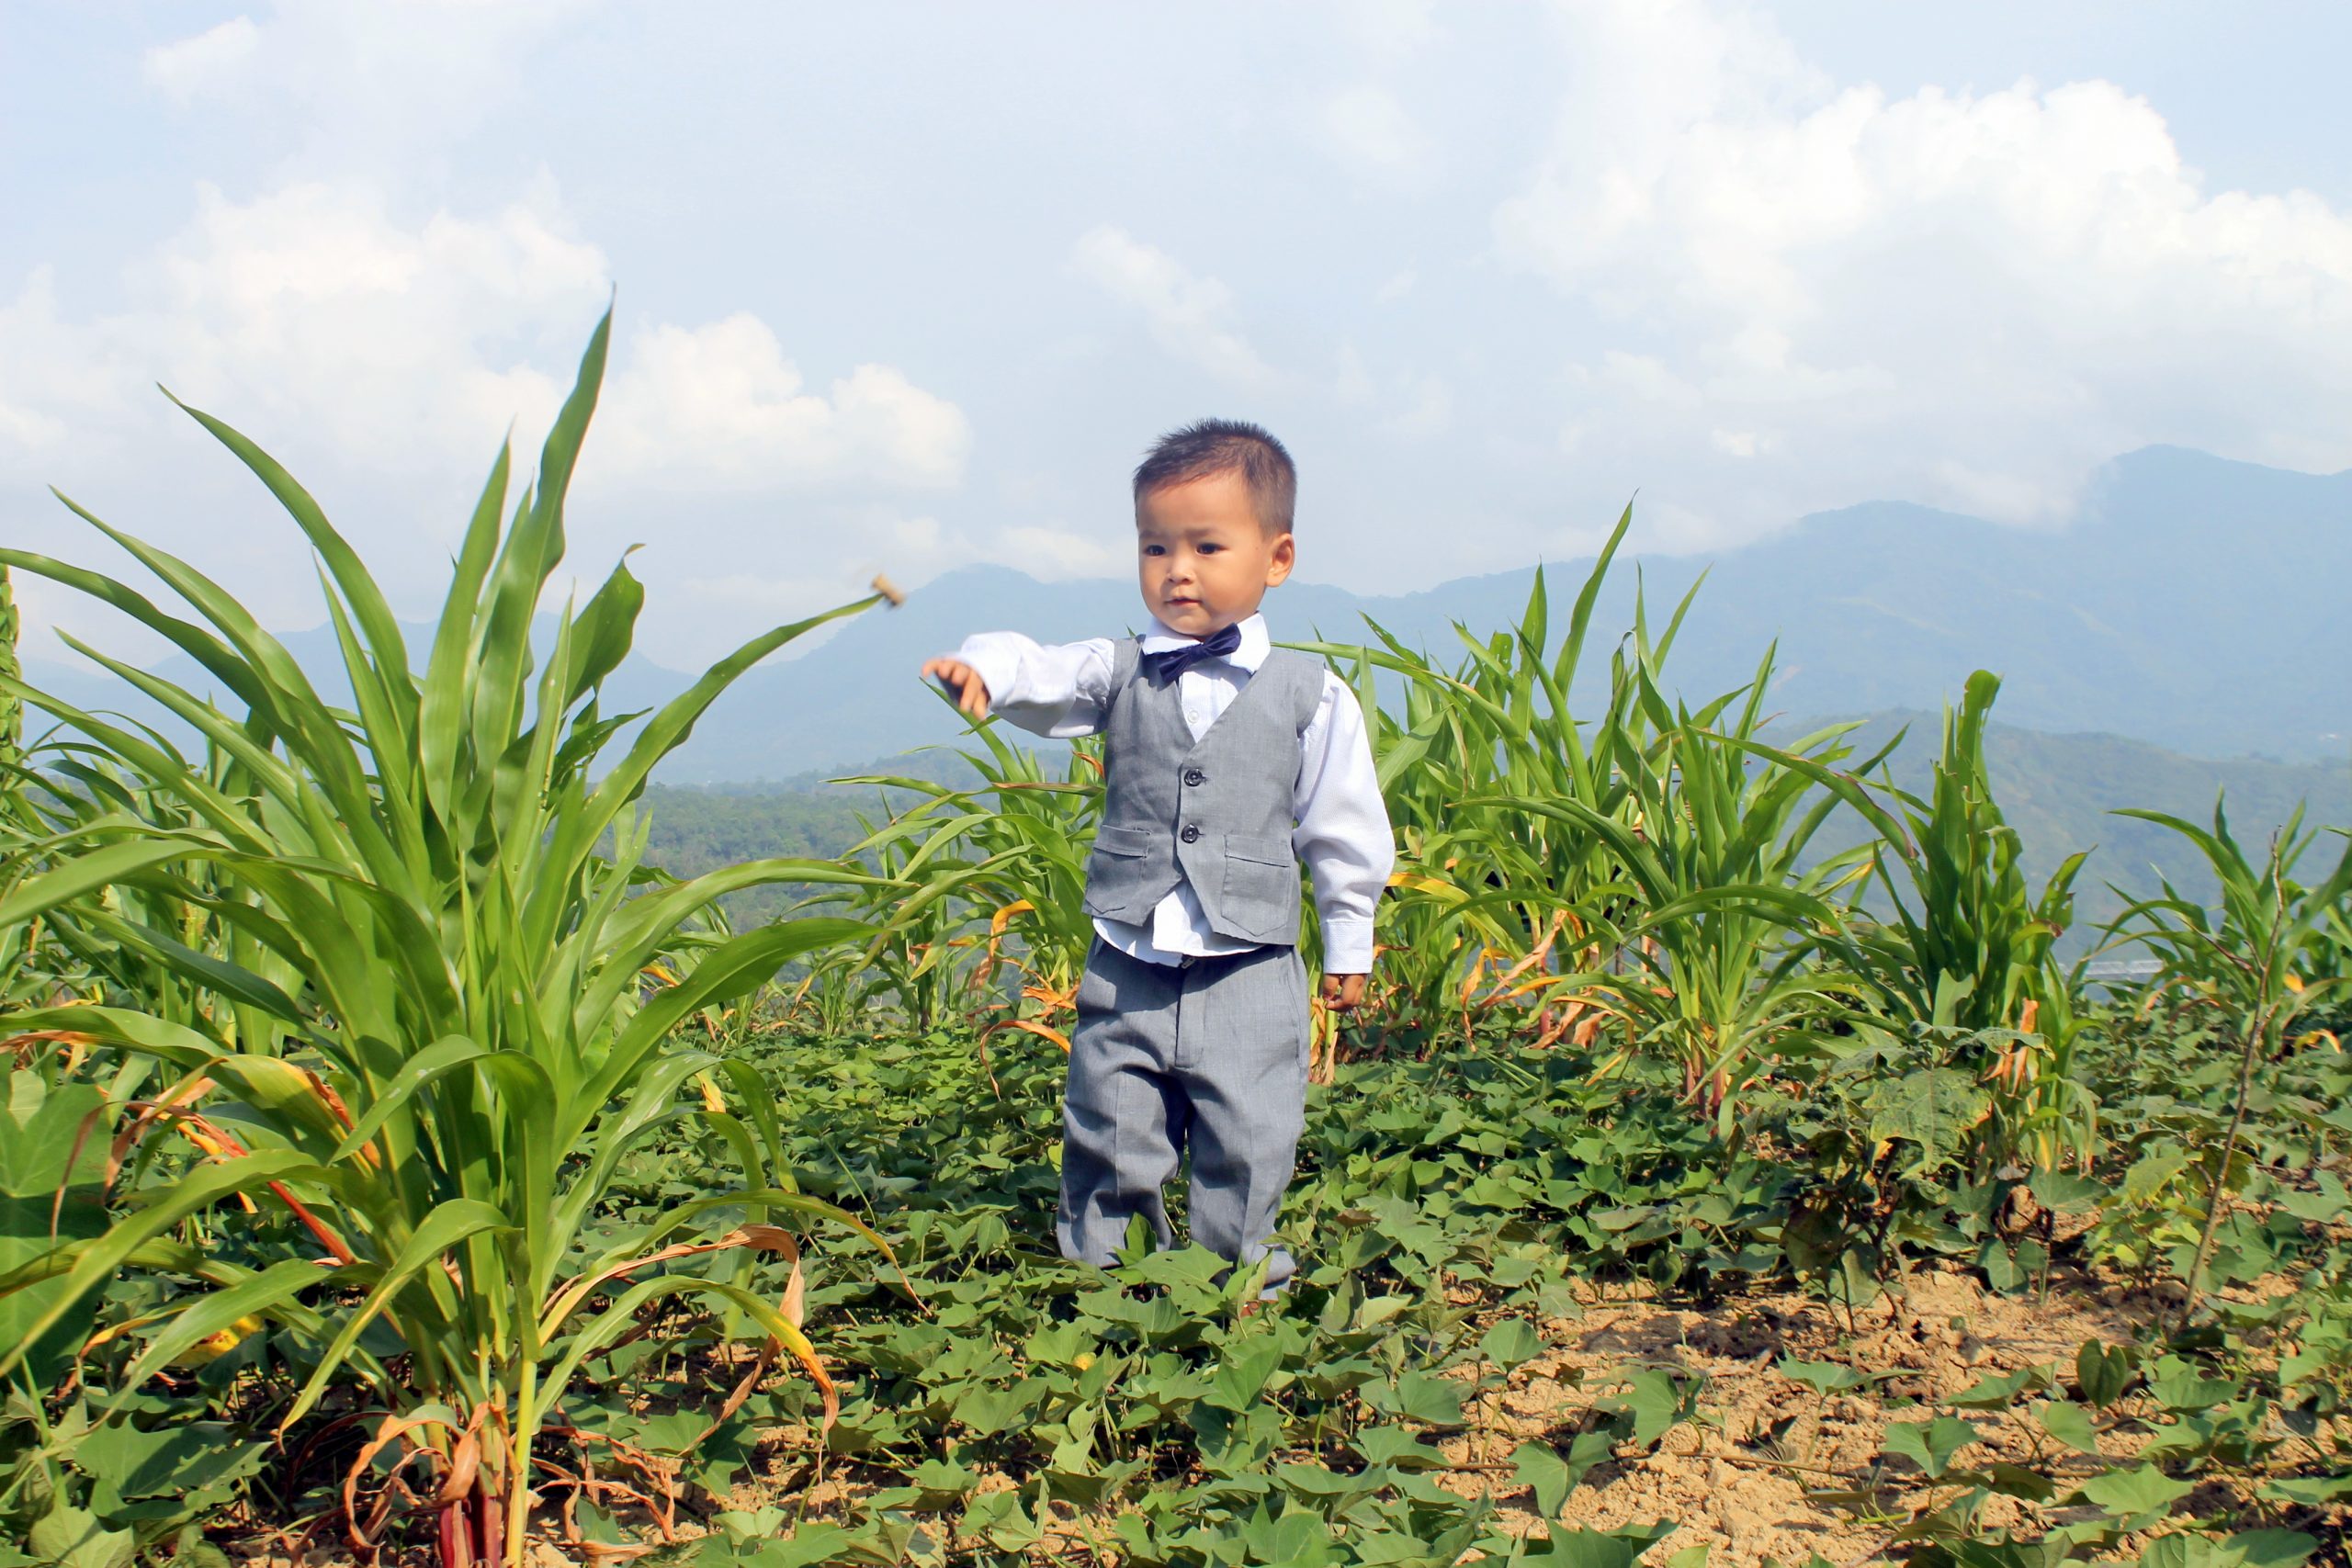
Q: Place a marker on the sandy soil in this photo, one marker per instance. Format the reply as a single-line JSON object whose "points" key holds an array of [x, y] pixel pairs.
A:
{"points": [[1735, 1480]]}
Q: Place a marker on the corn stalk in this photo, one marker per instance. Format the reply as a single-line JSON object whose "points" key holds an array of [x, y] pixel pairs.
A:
{"points": [[991, 866], [426, 1032], [2265, 956], [12, 709], [1709, 900], [1967, 946], [1469, 761]]}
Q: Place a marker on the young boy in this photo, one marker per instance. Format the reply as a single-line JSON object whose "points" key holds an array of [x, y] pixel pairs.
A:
{"points": [[1227, 762]]}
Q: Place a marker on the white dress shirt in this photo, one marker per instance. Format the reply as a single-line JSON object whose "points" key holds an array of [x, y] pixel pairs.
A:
{"points": [[1342, 832]]}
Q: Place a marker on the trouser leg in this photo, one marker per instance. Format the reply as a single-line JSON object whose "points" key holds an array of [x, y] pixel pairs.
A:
{"points": [[1242, 1034], [1123, 1116]]}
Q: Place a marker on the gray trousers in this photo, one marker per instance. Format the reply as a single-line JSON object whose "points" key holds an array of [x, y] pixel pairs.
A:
{"points": [[1210, 1058]]}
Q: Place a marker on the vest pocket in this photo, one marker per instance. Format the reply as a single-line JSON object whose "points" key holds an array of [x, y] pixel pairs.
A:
{"points": [[1115, 869], [1121, 841], [1261, 889]]}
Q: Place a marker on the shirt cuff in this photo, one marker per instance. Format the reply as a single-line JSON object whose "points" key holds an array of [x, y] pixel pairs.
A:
{"points": [[1346, 946], [999, 666]]}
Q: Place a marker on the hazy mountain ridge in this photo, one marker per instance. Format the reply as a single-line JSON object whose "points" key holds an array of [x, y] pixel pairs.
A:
{"points": [[2193, 606]]}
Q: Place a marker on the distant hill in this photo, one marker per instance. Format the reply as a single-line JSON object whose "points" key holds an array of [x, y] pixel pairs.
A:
{"points": [[2057, 791], [2060, 793], [2194, 605]]}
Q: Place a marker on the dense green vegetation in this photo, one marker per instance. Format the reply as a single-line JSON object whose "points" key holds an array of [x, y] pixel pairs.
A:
{"points": [[397, 1161]]}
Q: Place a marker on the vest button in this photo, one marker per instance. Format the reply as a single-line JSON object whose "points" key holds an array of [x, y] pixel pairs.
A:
{"points": [[1192, 832], [1194, 777]]}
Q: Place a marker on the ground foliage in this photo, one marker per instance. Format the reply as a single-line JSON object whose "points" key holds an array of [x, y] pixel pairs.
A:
{"points": [[1452, 1214]]}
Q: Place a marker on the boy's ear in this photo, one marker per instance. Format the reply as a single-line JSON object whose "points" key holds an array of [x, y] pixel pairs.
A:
{"points": [[1284, 557]]}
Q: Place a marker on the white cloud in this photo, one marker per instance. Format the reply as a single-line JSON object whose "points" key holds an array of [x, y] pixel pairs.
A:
{"points": [[1353, 386], [48, 377], [1419, 404], [379, 359], [1644, 378], [316, 307], [1372, 134], [1188, 316], [1053, 554], [1979, 296], [694, 615], [341, 84], [1430, 411], [380, 355], [1393, 28], [209, 63], [772, 598], [720, 406]]}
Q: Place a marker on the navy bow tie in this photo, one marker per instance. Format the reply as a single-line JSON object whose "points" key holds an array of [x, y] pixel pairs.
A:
{"points": [[1166, 666]]}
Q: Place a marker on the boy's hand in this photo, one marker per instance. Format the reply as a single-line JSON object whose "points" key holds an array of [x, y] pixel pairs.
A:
{"points": [[1343, 993], [971, 693]]}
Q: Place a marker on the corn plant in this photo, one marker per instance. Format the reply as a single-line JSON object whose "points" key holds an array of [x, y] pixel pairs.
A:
{"points": [[993, 864], [12, 709], [1711, 906], [1481, 878], [1446, 912], [117, 940], [427, 1033], [920, 953], [2264, 958], [1967, 947], [18, 827]]}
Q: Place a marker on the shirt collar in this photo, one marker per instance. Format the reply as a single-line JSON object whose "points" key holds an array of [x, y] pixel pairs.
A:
{"points": [[1256, 642]]}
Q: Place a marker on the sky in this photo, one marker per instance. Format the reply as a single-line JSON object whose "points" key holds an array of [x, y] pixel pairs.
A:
{"points": [[909, 288]]}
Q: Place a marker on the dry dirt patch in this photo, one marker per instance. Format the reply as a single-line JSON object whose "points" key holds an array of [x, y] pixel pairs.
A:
{"points": [[1735, 1481]]}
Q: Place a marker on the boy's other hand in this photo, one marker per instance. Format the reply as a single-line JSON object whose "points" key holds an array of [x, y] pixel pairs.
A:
{"points": [[970, 691], [1343, 993]]}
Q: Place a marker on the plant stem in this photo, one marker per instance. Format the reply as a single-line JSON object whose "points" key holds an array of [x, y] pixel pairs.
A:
{"points": [[527, 1424], [2255, 1035]]}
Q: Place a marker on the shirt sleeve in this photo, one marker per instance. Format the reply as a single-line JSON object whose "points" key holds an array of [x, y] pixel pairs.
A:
{"points": [[1343, 833], [1058, 689]]}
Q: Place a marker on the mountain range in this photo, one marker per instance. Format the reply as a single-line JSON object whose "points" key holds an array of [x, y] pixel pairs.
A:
{"points": [[2195, 604]]}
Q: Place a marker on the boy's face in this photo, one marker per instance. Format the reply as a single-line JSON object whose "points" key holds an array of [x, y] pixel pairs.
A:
{"points": [[1202, 560]]}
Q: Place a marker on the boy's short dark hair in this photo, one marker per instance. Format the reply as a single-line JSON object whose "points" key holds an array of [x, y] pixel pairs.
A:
{"points": [[1225, 446]]}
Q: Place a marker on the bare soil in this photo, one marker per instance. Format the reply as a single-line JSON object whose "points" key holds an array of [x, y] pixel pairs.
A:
{"points": [[1737, 1480]]}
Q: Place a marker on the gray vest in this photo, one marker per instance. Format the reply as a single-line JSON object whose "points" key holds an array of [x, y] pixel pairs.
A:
{"points": [[1216, 812]]}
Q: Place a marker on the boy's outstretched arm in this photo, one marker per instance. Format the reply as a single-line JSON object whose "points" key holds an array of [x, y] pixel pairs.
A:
{"points": [[1060, 689]]}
